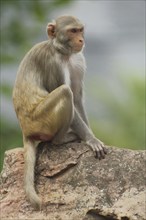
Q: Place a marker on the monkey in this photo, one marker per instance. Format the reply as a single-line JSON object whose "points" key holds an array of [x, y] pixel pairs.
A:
{"points": [[48, 95]]}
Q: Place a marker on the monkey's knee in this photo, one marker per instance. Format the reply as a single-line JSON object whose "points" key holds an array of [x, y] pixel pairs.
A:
{"points": [[66, 91], [65, 108], [68, 97]]}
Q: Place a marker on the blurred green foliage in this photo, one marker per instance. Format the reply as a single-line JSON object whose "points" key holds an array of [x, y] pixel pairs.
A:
{"points": [[10, 137], [10, 133], [122, 121], [17, 24], [6, 90], [119, 113]]}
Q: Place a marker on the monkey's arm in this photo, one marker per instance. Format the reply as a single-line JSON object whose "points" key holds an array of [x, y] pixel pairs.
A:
{"points": [[77, 71], [85, 133], [81, 127], [82, 112]]}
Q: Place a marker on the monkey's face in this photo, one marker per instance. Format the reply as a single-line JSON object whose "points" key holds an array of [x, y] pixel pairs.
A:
{"points": [[68, 31], [71, 38], [75, 38]]}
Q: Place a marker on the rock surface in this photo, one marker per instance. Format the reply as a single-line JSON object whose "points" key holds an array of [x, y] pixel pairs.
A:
{"points": [[76, 186]]}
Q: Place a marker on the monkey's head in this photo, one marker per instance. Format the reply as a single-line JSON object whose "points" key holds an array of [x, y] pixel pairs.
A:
{"points": [[67, 32]]}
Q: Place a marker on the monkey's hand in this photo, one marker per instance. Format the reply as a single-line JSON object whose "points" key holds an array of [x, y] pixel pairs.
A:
{"points": [[98, 147]]}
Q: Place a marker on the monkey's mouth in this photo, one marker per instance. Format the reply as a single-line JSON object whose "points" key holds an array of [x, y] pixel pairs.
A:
{"points": [[78, 48]]}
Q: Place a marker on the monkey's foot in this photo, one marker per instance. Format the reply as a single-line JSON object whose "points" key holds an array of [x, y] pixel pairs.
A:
{"points": [[69, 137]]}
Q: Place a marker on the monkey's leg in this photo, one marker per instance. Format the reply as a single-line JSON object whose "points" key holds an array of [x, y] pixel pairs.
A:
{"points": [[52, 101], [52, 117], [55, 113], [30, 159], [65, 115], [69, 137]]}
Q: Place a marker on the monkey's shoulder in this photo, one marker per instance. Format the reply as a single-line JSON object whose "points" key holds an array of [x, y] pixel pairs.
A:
{"points": [[39, 51], [37, 57], [42, 48], [41, 45]]}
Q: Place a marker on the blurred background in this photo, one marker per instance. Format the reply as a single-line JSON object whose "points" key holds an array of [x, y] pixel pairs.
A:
{"points": [[115, 56]]}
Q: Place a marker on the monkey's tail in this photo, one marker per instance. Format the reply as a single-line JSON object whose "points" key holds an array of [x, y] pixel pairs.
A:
{"points": [[30, 159], [33, 197]]}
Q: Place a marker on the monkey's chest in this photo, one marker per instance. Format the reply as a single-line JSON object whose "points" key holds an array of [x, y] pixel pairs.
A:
{"points": [[67, 77]]}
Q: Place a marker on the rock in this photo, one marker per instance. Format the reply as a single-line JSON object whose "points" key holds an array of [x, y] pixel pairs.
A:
{"points": [[76, 186]]}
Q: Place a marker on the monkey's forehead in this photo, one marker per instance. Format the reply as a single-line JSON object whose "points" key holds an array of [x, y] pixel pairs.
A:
{"points": [[69, 21]]}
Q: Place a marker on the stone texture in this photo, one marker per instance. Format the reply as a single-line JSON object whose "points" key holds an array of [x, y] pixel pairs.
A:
{"points": [[76, 186]]}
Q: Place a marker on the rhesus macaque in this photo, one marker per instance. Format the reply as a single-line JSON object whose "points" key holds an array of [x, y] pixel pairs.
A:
{"points": [[48, 95]]}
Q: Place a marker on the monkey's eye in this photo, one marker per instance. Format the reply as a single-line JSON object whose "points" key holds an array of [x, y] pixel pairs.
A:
{"points": [[74, 30]]}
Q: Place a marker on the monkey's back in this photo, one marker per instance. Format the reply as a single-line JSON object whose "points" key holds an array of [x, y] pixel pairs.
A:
{"points": [[34, 62], [28, 89]]}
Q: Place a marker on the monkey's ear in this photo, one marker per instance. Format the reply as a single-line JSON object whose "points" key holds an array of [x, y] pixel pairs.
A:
{"points": [[51, 30]]}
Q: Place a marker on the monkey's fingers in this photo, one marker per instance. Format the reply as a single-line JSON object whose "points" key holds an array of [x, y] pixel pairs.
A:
{"points": [[98, 148], [105, 149], [96, 152], [100, 154]]}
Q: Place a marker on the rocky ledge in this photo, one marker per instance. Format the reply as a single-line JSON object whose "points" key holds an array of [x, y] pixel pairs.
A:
{"points": [[76, 186]]}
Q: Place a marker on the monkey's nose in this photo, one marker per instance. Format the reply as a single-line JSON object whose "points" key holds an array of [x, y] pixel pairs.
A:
{"points": [[81, 41]]}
